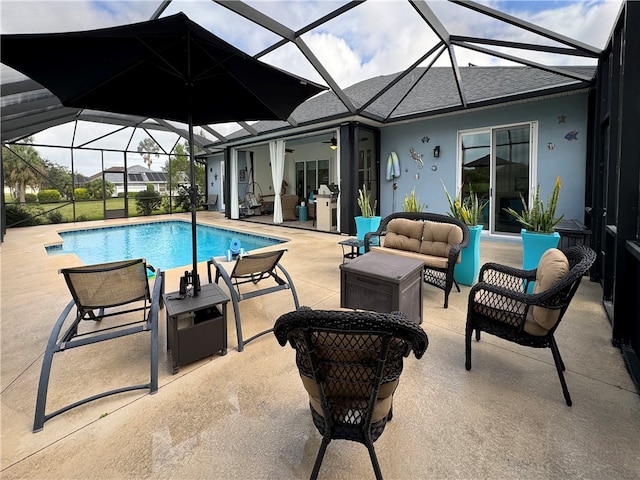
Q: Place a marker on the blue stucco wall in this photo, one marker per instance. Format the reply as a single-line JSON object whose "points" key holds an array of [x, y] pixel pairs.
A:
{"points": [[567, 159]]}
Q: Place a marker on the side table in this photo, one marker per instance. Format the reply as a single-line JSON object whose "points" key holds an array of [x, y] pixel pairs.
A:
{"points": [[355, 245], [196, 326]]}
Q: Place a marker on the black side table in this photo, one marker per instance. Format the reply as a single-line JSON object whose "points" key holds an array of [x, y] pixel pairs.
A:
{"points": [[355, 245], [196, 326]]}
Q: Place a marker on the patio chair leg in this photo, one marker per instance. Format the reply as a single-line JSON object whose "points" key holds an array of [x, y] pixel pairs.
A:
{"points": [[467, 347], [45, 372], [319, 457], [560, 367], [374, 461]]}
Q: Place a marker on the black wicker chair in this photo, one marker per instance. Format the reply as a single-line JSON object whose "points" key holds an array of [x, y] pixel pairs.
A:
{"points": [[438, 276], [350, 364], [499, 305]]}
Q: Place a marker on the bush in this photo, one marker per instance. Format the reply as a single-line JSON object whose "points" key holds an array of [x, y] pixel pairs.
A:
{"points": [[48, 196], [30, 197], [18, 216], [147, 201], [81, 193], [55, 217]]}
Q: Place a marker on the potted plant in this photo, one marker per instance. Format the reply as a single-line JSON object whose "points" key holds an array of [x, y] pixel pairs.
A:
{"points": [[412, 203], [367, 221], [469, 210], [538, 222]]}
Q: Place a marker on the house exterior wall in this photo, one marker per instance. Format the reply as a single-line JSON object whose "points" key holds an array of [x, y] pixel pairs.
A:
{"points": [[567, 159]]}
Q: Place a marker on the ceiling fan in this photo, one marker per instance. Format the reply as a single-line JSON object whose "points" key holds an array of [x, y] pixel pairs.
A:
{"points": [[333, 142]]}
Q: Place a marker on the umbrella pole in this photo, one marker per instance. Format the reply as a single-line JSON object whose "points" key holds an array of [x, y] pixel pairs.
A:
{"points": [[193, 190]]}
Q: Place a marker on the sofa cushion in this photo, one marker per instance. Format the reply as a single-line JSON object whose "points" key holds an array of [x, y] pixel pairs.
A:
{"points": [[437, 238], [430, 261], [552, 268], [404, 234]]}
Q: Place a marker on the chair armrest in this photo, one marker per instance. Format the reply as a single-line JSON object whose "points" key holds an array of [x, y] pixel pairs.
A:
{"points": [[369, 236], [512, 278], [212, 262]]}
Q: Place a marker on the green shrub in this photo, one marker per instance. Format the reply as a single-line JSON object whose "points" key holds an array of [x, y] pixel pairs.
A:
{"points": [[48, 196], [147, 201], [30, 197], [81, 193], [18, 216], [55, 217]]}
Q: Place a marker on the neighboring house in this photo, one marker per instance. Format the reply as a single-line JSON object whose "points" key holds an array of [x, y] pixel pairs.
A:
{"points": [[138, 177]]}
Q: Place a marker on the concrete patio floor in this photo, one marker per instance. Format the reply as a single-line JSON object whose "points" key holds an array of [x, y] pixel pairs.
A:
{"points": [[245, 415]]}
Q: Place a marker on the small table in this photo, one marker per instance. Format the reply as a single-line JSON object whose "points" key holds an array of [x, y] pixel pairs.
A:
{"points": [[355, 245], [196, 326], [302, 213], [383, 283]]}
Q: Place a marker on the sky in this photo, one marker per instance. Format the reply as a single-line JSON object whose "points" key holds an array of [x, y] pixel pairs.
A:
{"points": [[379, 37]]}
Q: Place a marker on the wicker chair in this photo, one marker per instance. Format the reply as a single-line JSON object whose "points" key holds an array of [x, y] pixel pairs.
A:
{"points": [[499, 305], [350, 364], [289, 202], [115, 298]]}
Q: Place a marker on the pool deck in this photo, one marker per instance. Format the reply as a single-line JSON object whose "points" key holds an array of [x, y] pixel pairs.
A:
{"points": [[245, 415]]}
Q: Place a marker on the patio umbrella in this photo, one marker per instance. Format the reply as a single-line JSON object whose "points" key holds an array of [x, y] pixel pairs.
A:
{"points": [[170, 68]]}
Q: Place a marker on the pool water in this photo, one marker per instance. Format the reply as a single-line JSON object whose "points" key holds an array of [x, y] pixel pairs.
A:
{"points": [[164, 245]]}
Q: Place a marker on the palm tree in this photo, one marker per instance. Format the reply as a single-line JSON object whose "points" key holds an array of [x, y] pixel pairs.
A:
{"points": [[146, 148], [23, 168]]}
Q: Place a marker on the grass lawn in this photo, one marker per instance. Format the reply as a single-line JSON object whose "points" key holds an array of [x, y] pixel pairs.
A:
{"points": [[85, 210]]}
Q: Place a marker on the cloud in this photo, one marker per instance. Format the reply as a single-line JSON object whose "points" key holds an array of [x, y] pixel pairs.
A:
{"points": [[377, 37]]}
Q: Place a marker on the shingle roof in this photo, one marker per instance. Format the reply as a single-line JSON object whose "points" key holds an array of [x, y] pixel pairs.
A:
{"points": [[425, 92]]}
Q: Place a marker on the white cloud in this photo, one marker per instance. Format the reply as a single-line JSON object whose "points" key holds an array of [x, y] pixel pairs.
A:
{"points": [[378, 37]]}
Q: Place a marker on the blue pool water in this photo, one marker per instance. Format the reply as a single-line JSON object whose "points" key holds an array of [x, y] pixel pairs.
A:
{"points": [[164, 245]]}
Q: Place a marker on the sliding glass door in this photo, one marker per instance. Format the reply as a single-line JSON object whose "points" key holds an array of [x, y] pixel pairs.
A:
{"points": [[497, 164]]}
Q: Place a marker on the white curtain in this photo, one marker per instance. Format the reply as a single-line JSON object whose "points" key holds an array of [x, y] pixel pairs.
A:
{"points": [[276, 151], [233, 184]]}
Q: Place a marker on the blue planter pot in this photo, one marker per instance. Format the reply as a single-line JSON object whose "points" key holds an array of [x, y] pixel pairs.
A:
{"points": [[534, 244], [466, 272], [365, 225]]}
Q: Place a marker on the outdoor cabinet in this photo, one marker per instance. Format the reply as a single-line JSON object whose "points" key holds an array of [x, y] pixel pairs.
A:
{"points": [[383, 283], [196, 326], [326, 212]]}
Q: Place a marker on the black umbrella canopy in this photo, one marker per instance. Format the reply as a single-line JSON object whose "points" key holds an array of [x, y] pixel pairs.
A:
{"points": [[170, 68]]}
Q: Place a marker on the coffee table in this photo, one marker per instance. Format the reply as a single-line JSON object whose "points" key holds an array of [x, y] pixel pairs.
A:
{"points": [[383, 283]]}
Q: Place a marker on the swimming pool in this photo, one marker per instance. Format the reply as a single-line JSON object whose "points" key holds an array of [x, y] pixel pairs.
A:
{"points": [[164, 245]]}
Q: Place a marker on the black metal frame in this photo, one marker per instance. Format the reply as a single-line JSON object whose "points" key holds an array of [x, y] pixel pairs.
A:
{"points": [[613, 184]]}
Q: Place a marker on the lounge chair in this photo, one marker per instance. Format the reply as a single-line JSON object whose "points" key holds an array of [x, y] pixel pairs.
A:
{"points": [[116, 301], [254, 269], [350, 364]]}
